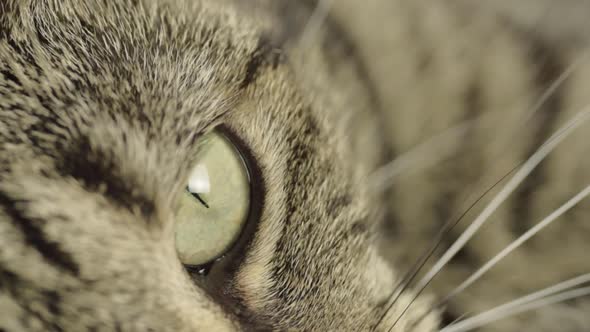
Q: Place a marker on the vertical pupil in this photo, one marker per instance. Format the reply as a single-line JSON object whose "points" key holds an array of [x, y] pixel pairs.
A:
{"points": [[197, 197]]}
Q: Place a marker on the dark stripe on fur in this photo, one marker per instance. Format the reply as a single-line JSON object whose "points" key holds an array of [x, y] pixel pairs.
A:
{"points": [[548, 67], [302, 167], [266, 54], [97, 172], [21, 292], [337, 43], [8, 76], [340, 49], [36, 238], [450, 201]]}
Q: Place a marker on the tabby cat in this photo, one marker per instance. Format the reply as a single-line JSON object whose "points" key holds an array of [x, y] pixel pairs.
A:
{"points": [[257, 165]]}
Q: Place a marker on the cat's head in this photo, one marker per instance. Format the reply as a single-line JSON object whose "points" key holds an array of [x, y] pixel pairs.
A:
{"points": [[106, 109]]}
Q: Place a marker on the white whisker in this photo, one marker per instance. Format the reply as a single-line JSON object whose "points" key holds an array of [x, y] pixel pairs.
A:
{"points": [[550, 91], [439, 146], [521, 305], [525, 237], [421, 157], [520, 175], [314, 23]]}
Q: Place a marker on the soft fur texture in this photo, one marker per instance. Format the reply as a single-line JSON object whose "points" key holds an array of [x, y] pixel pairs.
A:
{"points": [[102, 104]]}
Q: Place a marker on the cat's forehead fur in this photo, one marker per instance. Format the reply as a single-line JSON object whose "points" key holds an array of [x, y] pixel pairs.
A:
{"points": [[101, 107]]}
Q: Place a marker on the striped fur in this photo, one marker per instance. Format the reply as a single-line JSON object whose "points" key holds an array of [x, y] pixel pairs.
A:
{"points": [[102, 104]]}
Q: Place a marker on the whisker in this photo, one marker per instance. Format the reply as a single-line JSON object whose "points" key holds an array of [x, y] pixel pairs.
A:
{"points": [[314, 23], [551, 290], [557, 83], [512, 184], [514, 245], [524, 171], [456, 321], [444, 144], [528, 166], [551, 295], [492, 262], [447, 227], [390, 171], [421, 157]]}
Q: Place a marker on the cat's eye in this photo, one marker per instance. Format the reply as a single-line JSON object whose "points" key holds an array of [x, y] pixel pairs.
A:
{"points": [[214, 206]]}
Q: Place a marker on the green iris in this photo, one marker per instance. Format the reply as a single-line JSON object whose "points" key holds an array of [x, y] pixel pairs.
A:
{"points": [[214, 207]]}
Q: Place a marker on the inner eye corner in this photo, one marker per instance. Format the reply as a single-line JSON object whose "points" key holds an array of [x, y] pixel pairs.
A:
{"points": [[224, 212]]}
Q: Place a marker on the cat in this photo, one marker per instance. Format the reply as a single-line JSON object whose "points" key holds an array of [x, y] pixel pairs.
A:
{"points": [[344, 136]]}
